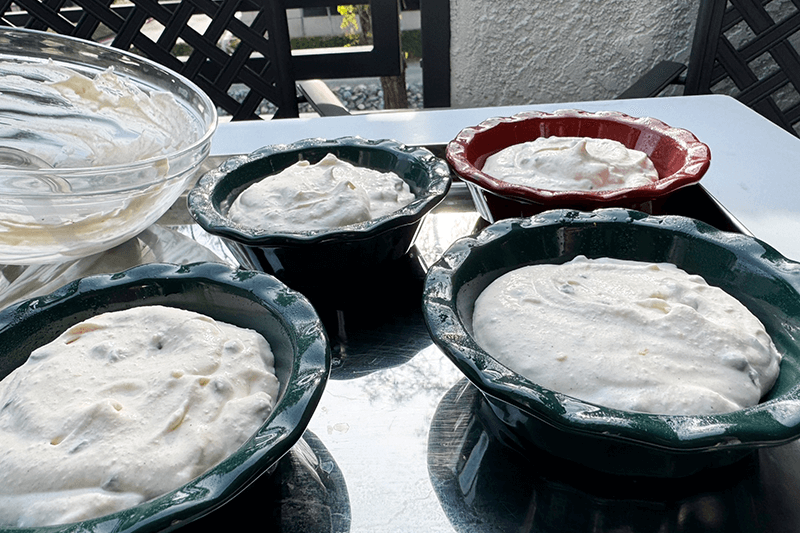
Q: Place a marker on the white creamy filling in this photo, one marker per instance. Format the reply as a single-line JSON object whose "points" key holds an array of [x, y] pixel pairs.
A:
{"points": [[124, 407], [572, 164], [329, 194], [627, 335], [67, 119]]}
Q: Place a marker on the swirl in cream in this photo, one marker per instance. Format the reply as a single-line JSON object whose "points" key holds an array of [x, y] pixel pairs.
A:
{"points": [[628, 335], [572, 164], [329, 194]]}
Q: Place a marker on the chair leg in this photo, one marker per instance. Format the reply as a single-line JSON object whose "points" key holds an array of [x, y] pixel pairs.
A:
{"points": [[322, 98]]}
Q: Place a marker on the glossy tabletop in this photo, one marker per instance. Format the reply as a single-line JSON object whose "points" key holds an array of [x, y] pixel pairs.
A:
{"points": [[402, 443]]}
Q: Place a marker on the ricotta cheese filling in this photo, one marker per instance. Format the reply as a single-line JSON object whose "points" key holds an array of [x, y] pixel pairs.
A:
{"points": [[572, 164], [124, 407], [627, 335], [329, 194]]}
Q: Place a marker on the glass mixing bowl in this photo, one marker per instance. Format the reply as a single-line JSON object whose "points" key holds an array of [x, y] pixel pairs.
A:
{"points": [[52, 211]]}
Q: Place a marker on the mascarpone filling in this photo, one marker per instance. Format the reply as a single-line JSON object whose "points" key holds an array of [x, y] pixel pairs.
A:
{"points": [[572, 164], [329, 194], [627, 335], [124, 407]]}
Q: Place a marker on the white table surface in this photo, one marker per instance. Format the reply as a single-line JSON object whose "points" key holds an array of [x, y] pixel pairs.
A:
{"points": [[411, 450], [753, 161]]}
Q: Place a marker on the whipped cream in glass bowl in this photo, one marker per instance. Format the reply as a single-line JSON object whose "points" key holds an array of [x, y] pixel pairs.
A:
{"points": [[95, 145], [585, 179], [621, 438]]}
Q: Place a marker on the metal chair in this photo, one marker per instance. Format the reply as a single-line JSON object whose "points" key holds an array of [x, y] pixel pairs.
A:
{"points": [[435, 18], [261, 64], [744, 48]]}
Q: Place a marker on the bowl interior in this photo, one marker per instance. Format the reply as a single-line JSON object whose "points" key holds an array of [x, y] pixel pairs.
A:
{"points": [[41, 327], [245, 299], [90, 59]]}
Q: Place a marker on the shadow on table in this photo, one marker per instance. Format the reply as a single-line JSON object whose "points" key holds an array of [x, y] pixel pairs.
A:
{"points": [[485, 486], [305, 493], [376, 323]]}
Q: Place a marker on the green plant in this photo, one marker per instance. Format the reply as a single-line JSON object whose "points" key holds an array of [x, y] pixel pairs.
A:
{"points": [[411, 42], [356, 23], [303, 43], [181, 49]]}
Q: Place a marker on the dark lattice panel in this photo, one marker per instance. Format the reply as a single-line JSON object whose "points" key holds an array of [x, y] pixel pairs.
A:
{"points": [[238, 78], [749, 49]]}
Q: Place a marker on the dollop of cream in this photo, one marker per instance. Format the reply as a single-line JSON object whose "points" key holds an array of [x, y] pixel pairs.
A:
{"points": [[627, 335], [329, 194], [572, 164], [124, 407]]}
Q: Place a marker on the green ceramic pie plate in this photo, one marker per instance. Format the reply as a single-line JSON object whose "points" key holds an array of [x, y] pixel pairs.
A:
{"points": [[606, 439], [243, 298], [333, 256]]}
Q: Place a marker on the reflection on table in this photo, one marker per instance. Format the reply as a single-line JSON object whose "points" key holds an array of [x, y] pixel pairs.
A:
{"points": [[304, 493], [486, 486]]}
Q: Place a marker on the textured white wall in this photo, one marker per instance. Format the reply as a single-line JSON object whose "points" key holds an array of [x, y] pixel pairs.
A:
{"points": [[513, 52]]}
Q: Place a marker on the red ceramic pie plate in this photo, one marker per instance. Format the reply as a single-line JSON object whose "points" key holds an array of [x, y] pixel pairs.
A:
{"points": [[678, 156]]}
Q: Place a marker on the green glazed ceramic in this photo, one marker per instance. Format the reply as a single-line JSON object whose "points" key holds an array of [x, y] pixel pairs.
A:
{"points": [[606, 439], [338, 254], [243, 298]]}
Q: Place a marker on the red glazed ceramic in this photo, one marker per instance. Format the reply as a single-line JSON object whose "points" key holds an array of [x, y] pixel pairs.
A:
{"points": [[678, 156]]}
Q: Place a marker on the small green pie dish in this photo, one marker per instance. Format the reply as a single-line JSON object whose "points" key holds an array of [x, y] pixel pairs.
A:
{"points": [[242, 298], [339, 256], [610, 440]]}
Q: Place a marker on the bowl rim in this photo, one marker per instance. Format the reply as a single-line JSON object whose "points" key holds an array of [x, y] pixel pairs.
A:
{"points": [[698, 160], [78, 172], [670, 433], [205, 210], [310, 369]]}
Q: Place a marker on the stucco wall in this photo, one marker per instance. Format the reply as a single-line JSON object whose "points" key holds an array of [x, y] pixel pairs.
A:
{"points": [[520, 52]]}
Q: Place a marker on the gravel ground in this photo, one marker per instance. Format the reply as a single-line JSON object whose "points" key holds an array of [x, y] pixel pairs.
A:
{"points": [[361, 97], [369, 97]]}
